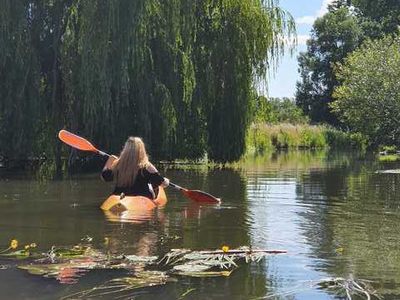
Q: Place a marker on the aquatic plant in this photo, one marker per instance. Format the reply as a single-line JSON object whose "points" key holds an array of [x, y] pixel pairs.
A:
{"points": [[349, 287], [122, 288], [388, 158], [211, 263], [344, 288], [68, 264], [11, 251]]}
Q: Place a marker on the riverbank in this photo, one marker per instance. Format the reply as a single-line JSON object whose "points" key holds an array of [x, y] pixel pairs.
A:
{"points": [[268, 138], [261, 138]]}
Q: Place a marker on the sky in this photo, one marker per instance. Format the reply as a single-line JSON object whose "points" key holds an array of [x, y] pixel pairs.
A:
{"points": [[283, 82]]}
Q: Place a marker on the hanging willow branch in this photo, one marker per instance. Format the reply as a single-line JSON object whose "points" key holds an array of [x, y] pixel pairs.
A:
{"points": [[181, 74]]}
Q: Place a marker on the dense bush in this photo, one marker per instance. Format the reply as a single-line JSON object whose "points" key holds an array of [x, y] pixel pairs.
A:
{"points": [[368, 98], [263, 138]]}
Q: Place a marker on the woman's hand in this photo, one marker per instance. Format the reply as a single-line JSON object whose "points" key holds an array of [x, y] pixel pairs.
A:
{"points": [[165, 182]]}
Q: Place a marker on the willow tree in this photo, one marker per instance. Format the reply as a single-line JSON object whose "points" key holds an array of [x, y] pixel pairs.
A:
{"points": [[19, 81], [31, 107], [48, 27], [129, 70], [179, 73], [236, 42]]}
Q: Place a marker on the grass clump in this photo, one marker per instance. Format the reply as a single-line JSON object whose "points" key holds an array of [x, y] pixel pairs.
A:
{"points": [[268, 138], [345, 140]]}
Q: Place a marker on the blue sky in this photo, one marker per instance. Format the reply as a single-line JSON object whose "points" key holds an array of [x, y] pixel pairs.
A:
{"points": [[283, 82]]}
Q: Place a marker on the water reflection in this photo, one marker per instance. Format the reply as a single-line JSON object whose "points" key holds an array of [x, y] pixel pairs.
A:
{"points": [[352, 223], [331, 211], [291, 201], [133, 216], [364, 224]]}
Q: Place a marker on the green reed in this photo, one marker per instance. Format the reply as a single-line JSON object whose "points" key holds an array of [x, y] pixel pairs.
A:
{"points": [[267, 138]]}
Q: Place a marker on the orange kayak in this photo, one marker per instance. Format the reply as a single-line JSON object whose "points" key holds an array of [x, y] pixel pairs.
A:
{"points": [[134, 203]]}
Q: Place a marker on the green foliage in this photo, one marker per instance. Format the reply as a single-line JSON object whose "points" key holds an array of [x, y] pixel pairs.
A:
{"points": [[266, 138], [389, 158], [310, 138], [19, 71], [179, 73], [257, 141], [286, 111], [378, 17], [339, 139], [388, 149], [333, 37], [262, 137], [276, 110], [262, 111], [368, 100], [236, 40]]}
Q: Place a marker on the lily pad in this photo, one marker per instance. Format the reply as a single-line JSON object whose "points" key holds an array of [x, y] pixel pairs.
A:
{"points": [[4, 267], [141, 259], [19, 254], [191, 268], [206, 274]]}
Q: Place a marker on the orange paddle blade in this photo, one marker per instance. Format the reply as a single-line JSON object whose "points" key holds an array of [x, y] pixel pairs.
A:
{"points": [[76, 141], [200, 196]]}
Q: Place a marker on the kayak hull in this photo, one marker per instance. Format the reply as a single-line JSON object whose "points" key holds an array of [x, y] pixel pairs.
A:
{"points": [[134, 203]]}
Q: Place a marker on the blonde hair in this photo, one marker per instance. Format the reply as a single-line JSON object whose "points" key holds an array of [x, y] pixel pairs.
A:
{"points": [[133, 157]]}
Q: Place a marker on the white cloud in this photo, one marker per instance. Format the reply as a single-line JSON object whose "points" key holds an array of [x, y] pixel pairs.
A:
{"points": [[302, 39], [309, 20], [324, 7]]}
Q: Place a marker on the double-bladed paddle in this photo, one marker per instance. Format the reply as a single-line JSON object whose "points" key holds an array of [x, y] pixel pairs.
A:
{"points": [[81, 143]]}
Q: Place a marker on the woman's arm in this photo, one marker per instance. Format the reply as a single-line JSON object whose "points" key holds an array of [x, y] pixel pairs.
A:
{"points": [[155, 178], [107, 173]]}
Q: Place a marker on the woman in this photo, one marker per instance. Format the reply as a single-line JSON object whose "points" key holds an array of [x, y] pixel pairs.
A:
{"points": [[132, 171]]}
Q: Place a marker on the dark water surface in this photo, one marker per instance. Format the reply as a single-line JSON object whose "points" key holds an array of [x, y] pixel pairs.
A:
{"points": [[333, 213]]}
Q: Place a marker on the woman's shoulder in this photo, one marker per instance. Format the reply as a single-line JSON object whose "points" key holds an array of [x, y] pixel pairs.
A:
{"points": [[149, 167]]}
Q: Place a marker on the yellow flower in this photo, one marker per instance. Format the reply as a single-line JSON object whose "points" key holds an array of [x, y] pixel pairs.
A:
{"points": [[339, 250], [225, 248], [33, 245], [27, 247], [14, 244]]}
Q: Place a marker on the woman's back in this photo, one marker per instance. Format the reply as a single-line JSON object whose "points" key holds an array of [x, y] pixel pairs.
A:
{"points": [[144, 185], [132, 171]]}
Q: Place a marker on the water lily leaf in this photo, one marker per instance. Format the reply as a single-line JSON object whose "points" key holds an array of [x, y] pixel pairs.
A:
{"points": [[64, 273], [70, 253], [141, 259], [19, 254], [206, 274], [4, 267], [191, 268]]}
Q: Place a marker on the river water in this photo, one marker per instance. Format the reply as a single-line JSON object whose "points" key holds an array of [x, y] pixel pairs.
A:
{"points": [[333, 213]]}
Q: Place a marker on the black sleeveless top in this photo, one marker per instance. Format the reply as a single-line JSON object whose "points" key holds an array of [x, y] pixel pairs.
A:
{"points": [[141, 185]]}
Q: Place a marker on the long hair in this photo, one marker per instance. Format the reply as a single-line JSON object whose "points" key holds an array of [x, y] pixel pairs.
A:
{"points": [[133, 157]]}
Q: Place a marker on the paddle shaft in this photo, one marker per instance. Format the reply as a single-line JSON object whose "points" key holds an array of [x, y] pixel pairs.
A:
{"points": [[103, 153]]}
